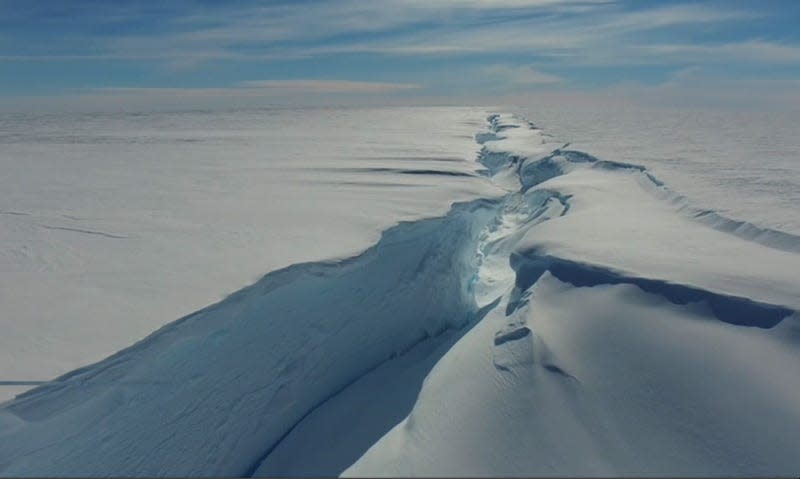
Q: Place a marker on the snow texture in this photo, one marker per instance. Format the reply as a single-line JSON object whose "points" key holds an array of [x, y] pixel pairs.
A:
{"points": [[114, 225], [580, 318]]}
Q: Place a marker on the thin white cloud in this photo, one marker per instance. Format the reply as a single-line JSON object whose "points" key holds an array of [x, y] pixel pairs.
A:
{"points": [[519, 75], [501, 4], [328, 86], [673, 15], [603, 36], [266, 88], [301, 30], [756, 51], [170, 54]]}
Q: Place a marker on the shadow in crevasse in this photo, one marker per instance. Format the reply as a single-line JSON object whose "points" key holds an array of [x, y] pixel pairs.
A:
{"points": [[728, 309], [333, 436]]}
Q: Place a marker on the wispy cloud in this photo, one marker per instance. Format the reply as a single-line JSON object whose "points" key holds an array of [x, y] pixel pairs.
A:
{"points": [[500, 4], [519, 75], [263, 88], [672, 15], [327, 86], [757, 51], [393, 27], [403, 28], [342, 46]]}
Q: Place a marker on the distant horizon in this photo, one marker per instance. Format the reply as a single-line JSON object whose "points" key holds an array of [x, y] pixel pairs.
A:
{"points": [[726, 100]]}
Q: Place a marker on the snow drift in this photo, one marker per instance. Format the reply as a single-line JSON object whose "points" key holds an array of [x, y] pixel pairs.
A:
{"points": [[586, 323], [632, 339], [211, 393]]}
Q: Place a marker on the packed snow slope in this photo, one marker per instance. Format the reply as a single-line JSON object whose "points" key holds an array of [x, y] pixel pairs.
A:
{"points": [[112, 225], [582, 319], [632, 338], [710, 155]]}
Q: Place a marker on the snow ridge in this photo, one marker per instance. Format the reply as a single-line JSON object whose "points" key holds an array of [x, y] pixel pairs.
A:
{"points": [[625, 341], [529, 264], [729, 309], [247, 369], [533, 170]]}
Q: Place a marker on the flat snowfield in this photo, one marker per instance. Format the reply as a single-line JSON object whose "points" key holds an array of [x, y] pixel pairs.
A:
{"points": [[443, 291]]}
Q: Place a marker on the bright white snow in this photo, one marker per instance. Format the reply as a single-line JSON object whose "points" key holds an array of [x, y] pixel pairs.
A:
{"points": [[113, 225], [567, 316], [741, 163], [615, 374]]}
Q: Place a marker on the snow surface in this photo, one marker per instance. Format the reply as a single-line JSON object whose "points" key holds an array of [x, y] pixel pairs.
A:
{"points": [[113, 225], [617, 348], [568, 316], [742, 163]]}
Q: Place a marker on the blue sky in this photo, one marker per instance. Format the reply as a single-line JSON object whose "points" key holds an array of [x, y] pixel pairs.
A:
{"points": [[284, 51]]}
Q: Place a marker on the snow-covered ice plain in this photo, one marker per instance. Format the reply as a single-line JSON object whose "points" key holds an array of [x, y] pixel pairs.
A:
{"points": [[114, 225], [448, 291]]}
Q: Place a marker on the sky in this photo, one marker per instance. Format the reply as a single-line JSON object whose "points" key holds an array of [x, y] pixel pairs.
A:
{"points": [[248, 52]]}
